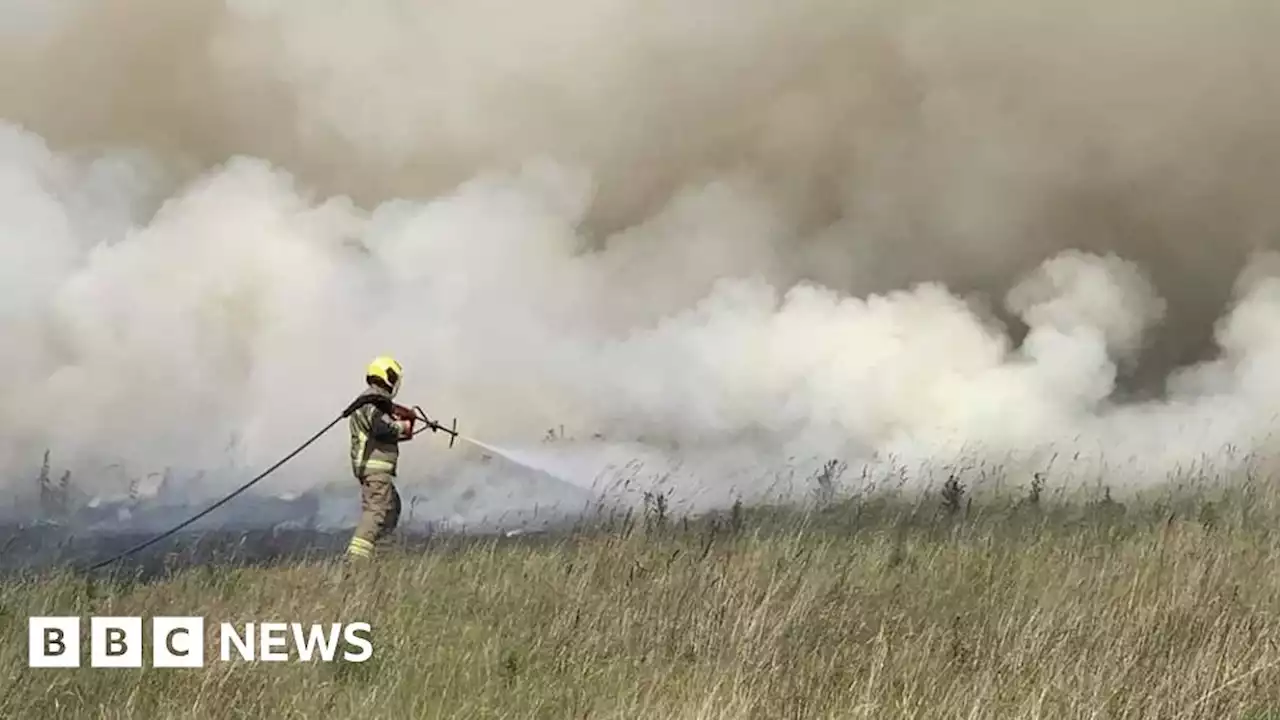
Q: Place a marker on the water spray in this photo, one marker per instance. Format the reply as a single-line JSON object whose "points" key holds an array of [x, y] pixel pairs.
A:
{"points": [[419, 414]]}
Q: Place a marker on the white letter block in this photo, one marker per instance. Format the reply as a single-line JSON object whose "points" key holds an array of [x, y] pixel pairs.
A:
{"points": [[115, 642], [177, 642], [53, 642]]}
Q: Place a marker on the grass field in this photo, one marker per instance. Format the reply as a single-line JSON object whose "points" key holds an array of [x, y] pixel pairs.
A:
{"points": [[943, 607]]}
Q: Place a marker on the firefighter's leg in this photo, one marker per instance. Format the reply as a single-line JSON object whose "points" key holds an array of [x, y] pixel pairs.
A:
{"points": [[377, 502], [392, 517]]}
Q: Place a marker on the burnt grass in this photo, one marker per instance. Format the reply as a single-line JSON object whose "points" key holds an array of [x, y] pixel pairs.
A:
{"points": [[945, 603]]}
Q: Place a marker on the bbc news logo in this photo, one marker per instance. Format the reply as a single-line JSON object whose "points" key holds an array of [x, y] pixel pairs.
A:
{"points": [[179, 642]]}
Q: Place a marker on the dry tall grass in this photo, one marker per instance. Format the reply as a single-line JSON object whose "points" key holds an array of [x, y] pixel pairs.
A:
{"points": [[865, 609]]}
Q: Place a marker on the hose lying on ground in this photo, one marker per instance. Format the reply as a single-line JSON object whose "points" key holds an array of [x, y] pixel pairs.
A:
{"points": [[223, 501]]}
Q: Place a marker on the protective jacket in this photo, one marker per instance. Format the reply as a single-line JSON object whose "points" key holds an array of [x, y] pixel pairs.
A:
{"points": [[376, 433]]}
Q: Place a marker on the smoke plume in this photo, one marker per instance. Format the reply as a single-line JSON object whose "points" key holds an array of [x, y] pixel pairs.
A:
{"points": [[740, 233]]}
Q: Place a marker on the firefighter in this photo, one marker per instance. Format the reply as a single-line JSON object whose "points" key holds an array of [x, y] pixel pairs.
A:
{"points": [[378, 426]]}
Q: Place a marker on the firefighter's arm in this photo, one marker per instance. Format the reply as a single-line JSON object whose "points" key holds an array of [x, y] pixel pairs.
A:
{"points": [[406, 418], [389, 428]]}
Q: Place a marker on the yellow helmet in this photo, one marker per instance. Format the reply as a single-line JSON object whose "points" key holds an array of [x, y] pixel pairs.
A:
{"points": [[385, 371]]}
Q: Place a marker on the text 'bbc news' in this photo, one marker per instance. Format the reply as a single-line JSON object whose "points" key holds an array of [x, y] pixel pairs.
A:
{"points": [[179, 642]]}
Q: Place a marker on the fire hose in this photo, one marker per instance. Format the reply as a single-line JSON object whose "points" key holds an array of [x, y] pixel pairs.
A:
{"points": [[400, 412]]}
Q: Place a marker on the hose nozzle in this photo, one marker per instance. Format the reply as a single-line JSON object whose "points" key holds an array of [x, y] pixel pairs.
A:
{"points": [[421, 414]]}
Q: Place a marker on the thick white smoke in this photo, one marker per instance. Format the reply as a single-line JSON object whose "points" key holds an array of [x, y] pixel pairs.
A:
{"points": [[750, 235]]}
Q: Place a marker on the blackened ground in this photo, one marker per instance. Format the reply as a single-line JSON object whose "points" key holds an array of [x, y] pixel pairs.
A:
{"points": [[45, 546]]}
